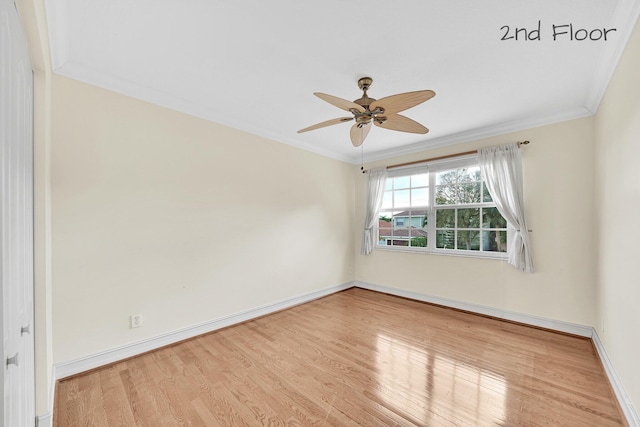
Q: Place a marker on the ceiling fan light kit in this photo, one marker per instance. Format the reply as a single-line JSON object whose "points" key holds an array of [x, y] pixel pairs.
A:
{"points": [[382, 112]]}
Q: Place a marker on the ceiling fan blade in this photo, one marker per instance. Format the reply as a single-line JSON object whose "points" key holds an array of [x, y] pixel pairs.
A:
{"points": [[401, 123], [339, 102], [402, 101], [327, 123], [358, 134]]}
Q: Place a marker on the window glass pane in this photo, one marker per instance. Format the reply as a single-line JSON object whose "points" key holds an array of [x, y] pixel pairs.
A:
{"points": [[388, 184], [469, 174], [494, 241], [421, 180], [486, 197], [491, 218], [469, 218], [401, 221], [445, 218], [446, 195], [424, 219], [418, 237], [469, 240], [401, 182], [447, 177], [417, 218], [385, 230], [415, 232], [469, 192], [386, 217], [420, 197], [387, 200], [401, 199], [419, 241], [445, 239]]}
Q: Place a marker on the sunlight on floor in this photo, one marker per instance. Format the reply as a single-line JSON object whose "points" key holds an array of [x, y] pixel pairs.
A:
{"points": [[449, 390]]}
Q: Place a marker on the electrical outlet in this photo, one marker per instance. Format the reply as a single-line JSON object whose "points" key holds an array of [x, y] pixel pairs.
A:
{"points": [[136, 320]]}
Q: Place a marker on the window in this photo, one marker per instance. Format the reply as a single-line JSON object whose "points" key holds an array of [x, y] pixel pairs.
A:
{"points": [[404, 211], [441, 207]]}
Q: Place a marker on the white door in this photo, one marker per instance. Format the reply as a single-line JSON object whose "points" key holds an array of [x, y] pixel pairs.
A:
{"points": [[16, 222]]}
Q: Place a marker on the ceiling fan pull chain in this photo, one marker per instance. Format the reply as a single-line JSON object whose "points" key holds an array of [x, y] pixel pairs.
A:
{"points": [[362, 159]]}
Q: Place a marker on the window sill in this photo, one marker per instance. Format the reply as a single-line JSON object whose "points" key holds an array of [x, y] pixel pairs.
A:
{"points": [[463, 254]]}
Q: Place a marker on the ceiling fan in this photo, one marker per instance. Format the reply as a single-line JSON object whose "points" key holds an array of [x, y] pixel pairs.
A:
{"points": [[382, 112]]}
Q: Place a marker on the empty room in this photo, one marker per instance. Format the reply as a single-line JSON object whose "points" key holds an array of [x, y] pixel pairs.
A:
{"points": [[411, 213]]}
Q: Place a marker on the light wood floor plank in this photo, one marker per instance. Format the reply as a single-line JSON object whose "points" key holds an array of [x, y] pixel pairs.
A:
{"points": [[355, 358]]}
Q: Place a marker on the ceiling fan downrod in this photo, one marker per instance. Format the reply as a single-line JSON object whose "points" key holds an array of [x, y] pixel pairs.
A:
{"points": [[364, 84]]}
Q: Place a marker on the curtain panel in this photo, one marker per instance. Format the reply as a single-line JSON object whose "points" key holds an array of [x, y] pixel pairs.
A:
{"points": [[376, 179], [501, 169]]}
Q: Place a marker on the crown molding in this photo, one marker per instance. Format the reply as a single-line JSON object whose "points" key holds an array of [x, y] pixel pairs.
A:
{"points": [[105, 81], [476, 134], [57, 12], [625, 16], [153, 96]]}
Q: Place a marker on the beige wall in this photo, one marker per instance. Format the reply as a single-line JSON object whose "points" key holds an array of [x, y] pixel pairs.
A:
{"points": [[181, 220], [617, 127], [558, 173]]}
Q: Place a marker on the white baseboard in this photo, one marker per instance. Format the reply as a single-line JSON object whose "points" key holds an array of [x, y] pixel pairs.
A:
{"points": [[623, 398], [556, 325], [113, 355], [46, 420], [106, 357]]}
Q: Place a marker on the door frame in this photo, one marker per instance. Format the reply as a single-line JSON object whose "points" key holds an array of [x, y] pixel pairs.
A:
{"points": [[16, 222]]}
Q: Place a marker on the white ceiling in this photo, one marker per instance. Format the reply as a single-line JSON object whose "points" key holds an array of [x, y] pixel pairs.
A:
{"points": [[254, 65]]}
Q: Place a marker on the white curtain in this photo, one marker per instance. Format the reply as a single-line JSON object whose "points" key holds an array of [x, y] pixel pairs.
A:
{"points": [[375, 191], [501, 168]]}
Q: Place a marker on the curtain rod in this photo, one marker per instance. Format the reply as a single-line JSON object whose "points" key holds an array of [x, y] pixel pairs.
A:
{"points": [[443, 157]]}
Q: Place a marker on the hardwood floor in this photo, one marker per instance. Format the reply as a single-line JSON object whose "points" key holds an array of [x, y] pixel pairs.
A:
{"points": [[355, 358]]}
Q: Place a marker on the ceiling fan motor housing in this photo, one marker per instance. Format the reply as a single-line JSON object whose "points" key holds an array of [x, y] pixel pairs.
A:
{"points": [[362, 119]]}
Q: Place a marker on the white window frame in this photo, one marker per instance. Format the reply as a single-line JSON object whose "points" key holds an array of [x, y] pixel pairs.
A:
{"points": [[432, 168]]}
